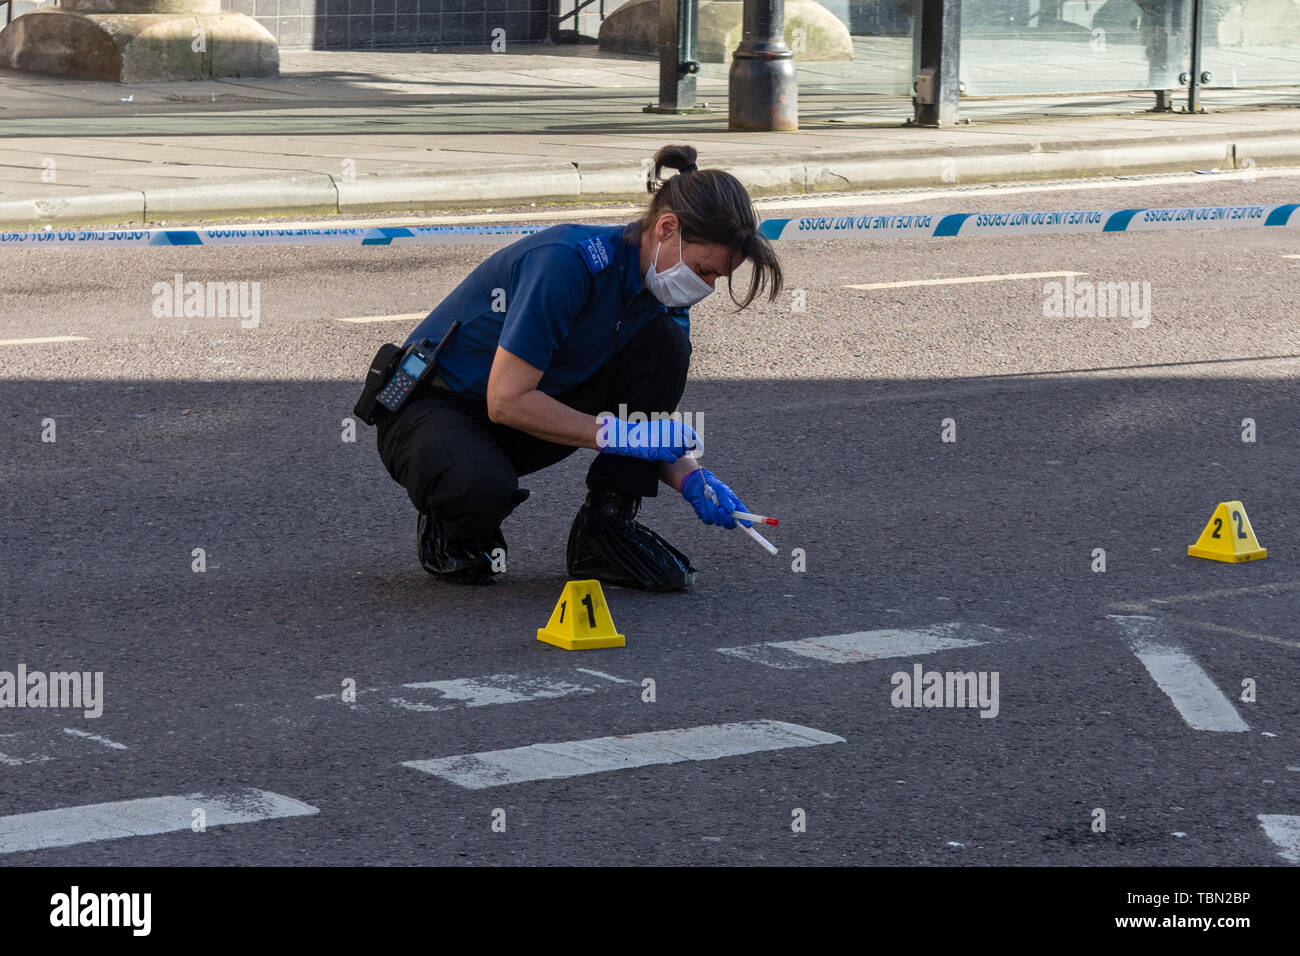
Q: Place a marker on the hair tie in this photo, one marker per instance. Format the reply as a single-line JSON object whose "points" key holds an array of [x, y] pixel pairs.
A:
{"points": [[688, 169]]}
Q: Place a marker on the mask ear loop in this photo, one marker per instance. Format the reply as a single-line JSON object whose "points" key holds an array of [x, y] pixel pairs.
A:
{"points": [[655, 264]]}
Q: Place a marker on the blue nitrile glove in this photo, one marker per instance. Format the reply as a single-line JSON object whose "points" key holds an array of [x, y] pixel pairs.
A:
{"points": [[712, 500], [660, 439]]}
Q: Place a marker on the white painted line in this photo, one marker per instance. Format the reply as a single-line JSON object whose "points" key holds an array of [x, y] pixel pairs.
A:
{"points": [[145, 817], [45, 340], [95, 737], [1202, 705], [1158, 604], [1210, 595], [864, 645], [499, 689], [12, 742], [1285, 832], [9, 761], [415, 705], [961, 280], [495, 768], [405, 317], [1234, 631], [616, 680], [484, 691]]}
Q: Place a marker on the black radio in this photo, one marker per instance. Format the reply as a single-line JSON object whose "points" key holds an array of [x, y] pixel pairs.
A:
{"points": [[416, 363], [395, 372]]}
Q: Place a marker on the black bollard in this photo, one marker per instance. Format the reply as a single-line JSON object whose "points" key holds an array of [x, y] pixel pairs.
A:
{"points": [[763, 86]]}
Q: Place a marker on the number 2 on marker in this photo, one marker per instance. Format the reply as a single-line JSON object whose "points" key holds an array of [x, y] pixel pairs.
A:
{"points": [[1236, 516]]}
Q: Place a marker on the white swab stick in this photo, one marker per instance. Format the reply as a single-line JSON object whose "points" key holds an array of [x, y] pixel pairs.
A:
{"points": [[761, 519], [771, 548]]}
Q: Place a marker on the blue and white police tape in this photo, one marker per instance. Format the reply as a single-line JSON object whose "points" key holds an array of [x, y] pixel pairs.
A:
{"points": [[1031, 223], [904, 225], [373, 236]]}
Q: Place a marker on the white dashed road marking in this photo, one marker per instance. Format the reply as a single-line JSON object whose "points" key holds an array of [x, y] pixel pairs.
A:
{"points": [[50, 743], [112, 744], [611, 677], [438, 695], [1202, 705], [405, 317], [964, 280], [45, 340], [576, 758], [145, 817], [864, 645], [497, 689]]}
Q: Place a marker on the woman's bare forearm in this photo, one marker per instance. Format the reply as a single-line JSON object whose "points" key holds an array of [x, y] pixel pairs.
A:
{"points": [[673, 473], [541, 415]]}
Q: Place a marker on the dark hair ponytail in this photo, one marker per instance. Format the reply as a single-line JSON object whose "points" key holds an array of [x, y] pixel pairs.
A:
{"points": [[712, 206]]}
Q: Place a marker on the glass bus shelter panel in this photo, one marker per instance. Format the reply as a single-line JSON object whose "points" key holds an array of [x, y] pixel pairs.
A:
{"points": [[1011, 47], [1252, 42], [870, 52]]}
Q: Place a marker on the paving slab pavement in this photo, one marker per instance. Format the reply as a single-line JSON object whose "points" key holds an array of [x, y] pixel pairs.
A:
{"points": [[395, 131]]}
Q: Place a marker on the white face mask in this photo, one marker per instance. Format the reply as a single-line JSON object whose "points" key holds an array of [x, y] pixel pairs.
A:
{"points": [[679, 286]]}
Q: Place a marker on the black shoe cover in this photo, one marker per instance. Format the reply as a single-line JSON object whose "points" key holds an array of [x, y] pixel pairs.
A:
{"points": [[605, 543], [450, 561]]}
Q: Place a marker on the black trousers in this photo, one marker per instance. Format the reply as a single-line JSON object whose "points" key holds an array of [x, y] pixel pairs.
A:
{"points": [[456, 462]]}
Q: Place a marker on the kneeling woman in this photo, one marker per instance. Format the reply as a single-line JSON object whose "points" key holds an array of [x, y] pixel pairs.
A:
{"points": [[555, 329]]}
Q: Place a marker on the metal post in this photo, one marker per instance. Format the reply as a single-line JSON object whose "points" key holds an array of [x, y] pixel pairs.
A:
{"points": [[764, 91], [677, 62], [1194, 80], [938, 82]]}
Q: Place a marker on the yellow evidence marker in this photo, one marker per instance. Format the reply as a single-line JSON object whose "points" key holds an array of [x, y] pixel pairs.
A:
{"points": [[1228, 537], [581, 620]]}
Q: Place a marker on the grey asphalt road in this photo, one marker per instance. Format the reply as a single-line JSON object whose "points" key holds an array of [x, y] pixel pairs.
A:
{"points": [[1072, 434]]}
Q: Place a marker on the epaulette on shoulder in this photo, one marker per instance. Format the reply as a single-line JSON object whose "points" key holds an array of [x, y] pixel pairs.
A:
{"points": [[597, 252]]}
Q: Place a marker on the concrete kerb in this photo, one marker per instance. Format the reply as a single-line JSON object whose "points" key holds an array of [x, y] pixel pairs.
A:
{"points": [[126, 206], [552, 181], [541, 181], [1079, 162], [1265, 149], [304, 193]]}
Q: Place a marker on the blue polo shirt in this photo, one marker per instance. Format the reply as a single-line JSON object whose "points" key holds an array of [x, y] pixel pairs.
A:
{"points": [[564, 300]]}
